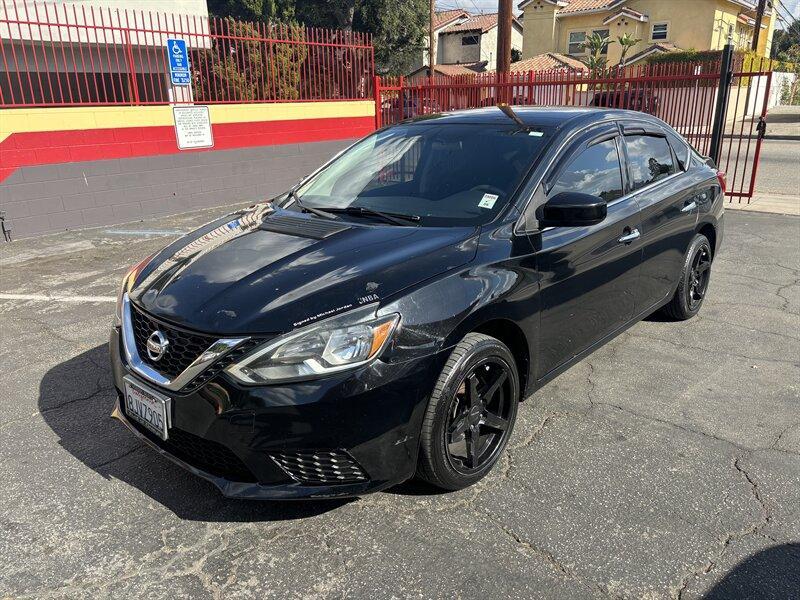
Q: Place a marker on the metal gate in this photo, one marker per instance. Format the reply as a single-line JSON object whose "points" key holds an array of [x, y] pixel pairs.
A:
{"points": [[686, 95]]}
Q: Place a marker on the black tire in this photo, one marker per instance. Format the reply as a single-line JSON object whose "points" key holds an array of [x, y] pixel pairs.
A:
{"points": [[476, 364], [694, 280]]}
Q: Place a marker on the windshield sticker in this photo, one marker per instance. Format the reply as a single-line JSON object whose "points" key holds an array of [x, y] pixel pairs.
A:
{"points": [[488, 200]]}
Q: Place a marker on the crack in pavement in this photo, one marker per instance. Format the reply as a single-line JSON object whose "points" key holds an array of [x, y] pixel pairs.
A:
{"points": [[794, 363], [730, 537]]}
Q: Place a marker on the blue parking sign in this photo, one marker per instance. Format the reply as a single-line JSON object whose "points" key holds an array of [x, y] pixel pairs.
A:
{"points": [[178, 62]]}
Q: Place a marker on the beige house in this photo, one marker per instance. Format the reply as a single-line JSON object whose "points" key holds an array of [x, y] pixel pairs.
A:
{"points": [[662, 25], [461, 38]]}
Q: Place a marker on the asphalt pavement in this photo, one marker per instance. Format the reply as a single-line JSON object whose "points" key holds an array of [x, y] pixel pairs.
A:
{"points": [[665, 465]]}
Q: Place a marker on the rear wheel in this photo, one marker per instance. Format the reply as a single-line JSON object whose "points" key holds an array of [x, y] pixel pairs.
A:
{"points": [[470, 414], [693, 284]]}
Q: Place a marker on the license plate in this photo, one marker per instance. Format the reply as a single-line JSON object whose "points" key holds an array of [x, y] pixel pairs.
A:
{"points": [[147, 407]]}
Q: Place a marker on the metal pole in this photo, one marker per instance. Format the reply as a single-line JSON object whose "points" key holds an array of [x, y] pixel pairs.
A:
{"points": [[431, 39], [725, 79], [376, 89], [762, 6], [504, 25]]}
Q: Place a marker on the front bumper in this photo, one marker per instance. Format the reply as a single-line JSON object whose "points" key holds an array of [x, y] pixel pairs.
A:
{"points": [[234, 436]]}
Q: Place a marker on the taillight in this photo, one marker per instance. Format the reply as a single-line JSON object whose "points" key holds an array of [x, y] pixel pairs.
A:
{"points": [[723, 183]]}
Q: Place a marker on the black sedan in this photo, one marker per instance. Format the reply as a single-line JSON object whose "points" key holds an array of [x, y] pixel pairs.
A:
{"points": [[385, 317]]}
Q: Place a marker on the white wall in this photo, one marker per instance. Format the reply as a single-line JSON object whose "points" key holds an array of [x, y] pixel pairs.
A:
{"points": [[453, 52]]}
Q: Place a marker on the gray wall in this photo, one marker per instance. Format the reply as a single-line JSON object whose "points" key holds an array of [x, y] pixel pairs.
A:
{"points": [[50, 198]]}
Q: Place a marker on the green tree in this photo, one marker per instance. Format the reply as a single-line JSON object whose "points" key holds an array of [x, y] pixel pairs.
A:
{"points": [[790, 59], [783, 40], [253, 10], [596, 44], [398, 28], [244, 70], [335, 14], [627, 41]]}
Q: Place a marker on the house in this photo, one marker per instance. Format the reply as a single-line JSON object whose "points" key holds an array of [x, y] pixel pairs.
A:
{"points": [[441, 19], [662, 25], [461, 38]]}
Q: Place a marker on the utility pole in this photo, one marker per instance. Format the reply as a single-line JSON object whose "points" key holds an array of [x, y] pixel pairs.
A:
{"points": [[505, 15], [431, 39], [762, 6]]}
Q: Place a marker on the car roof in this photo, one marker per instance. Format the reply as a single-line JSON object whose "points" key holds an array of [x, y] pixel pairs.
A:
{"points": [[556, 117]]}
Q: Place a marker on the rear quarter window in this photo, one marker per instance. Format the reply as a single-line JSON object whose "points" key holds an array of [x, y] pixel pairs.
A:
{"points": [[681, 149]]}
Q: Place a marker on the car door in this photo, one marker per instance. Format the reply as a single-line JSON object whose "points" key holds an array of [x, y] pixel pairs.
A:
{"points": [[588, 275], [668, 210]]}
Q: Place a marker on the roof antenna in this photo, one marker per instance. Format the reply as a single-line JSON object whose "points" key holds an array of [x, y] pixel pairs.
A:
{"points": [[509, 112]]}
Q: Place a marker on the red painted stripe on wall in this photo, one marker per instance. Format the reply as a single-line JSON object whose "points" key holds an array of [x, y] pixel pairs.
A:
{"points": [[51, 147]]}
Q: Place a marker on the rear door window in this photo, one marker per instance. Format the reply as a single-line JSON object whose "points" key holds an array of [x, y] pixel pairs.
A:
{"points": [[649, 159], [596, 171]]}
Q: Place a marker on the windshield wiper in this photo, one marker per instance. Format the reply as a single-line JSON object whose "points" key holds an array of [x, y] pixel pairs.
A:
{"points": [[316, 211], [396, 218]]}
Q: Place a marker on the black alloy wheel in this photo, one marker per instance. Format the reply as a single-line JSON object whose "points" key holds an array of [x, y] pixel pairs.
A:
{"points": [[470, 414], [699, 277], [694, 279], [479, 416]]}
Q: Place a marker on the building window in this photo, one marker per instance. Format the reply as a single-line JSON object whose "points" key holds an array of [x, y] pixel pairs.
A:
{"points": [[576, 40], [603, 33], [660, 31], [470, 40]]}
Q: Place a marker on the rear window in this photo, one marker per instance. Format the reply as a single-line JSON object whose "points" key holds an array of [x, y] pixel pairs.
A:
{"points": [[649, 159]]}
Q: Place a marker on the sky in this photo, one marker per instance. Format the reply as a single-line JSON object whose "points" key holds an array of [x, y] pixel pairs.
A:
{"points": [[474, 6]]}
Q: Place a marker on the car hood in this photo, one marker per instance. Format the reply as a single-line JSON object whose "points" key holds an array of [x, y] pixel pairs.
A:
{"points": [[267, 270]]}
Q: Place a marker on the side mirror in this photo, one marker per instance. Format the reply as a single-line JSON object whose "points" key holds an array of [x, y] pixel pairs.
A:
{"points": [[572, 209]]}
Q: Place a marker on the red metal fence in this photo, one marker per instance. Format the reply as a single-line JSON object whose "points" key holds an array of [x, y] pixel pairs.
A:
{"points": [[55, 54], [58, 54], [682, 94]]}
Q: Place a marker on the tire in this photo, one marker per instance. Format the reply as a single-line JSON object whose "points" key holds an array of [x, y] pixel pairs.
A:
{"points": [[692, 285], [472, 371]]}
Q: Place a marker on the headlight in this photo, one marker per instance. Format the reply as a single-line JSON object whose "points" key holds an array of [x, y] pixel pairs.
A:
{"points": [[126, 285], [333, 345]]}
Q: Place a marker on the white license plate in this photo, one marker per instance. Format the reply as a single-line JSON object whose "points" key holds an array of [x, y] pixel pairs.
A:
{"points": [[147, 407]]}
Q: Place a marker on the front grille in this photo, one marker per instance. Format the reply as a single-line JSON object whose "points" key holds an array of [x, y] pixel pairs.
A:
{"points": [[184, 347], [208, 456], [320, 467]]}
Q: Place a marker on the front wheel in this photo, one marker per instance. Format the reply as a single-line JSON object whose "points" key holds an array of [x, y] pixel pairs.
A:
{"points": [[470, 414], [693, 283]]}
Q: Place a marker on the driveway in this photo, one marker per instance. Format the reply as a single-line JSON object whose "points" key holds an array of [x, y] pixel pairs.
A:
{"points": [[665, 465]]}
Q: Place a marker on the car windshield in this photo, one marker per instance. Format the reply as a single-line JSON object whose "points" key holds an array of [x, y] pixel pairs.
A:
{"points": [[446, 174]]}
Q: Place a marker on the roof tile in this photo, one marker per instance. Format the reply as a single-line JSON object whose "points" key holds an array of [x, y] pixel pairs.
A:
{"points": [[546, 62]]}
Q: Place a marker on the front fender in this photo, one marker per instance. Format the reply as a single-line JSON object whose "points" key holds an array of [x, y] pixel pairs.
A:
{"points": [[501, 285]]}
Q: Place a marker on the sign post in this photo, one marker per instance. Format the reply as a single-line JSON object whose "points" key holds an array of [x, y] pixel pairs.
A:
{"points": [[178, 62]]}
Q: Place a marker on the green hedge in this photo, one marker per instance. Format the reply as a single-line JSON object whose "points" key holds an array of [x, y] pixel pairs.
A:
{"points": [[685, 55]]}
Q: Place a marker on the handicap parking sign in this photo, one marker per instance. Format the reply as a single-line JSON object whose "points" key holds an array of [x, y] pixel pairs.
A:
{"points": [[178, 62]]}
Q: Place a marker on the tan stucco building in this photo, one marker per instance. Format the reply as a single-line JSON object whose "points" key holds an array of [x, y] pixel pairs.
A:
{"points": [[562, 25]]}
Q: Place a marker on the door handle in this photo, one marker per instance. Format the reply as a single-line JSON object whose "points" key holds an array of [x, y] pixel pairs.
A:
{"points": [[629, 237], [689, 207]]}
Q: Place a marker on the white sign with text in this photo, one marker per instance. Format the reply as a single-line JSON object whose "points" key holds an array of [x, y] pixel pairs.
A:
{"points": [[192, 127]]}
